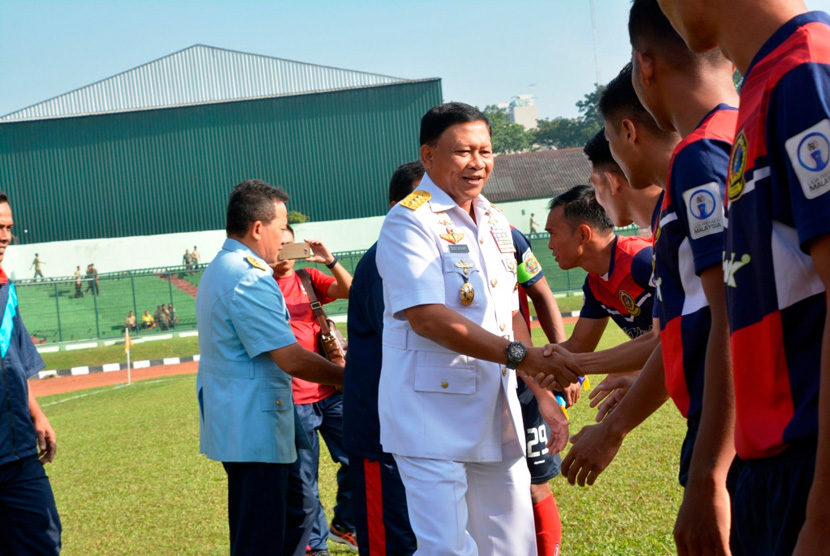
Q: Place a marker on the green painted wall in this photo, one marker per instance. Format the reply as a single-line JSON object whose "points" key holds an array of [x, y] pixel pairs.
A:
{"points": [[170, 170]]}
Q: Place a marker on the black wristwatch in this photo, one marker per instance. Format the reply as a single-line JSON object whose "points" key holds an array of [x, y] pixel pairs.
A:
{"points": [[516, 351]]}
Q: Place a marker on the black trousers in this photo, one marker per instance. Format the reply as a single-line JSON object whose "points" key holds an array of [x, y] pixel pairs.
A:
{"points": [[265, 509]]}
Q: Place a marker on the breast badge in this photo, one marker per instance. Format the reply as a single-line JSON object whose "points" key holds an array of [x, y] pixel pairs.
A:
{"points": [[737, 167], [504, 240], [452, 236], [467, 293], [464, 265], [629, 303]]}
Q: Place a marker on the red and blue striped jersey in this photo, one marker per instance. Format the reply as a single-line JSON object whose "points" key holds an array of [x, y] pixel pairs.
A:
{"points": [[688, 240], [779, 200], [625, 292]]}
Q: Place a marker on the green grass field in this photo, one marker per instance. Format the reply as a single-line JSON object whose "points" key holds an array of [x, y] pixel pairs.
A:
{"points": [[128, 477]]}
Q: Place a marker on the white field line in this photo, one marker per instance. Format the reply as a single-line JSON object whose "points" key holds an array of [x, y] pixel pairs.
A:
{"points": [[79, 396]]}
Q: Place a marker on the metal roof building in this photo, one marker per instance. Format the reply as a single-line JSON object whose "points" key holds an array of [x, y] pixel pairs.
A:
{"points": [[156, 149], [543, 174]]}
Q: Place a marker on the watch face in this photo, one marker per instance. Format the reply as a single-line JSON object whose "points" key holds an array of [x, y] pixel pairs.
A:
{"points": [[516, 351]]}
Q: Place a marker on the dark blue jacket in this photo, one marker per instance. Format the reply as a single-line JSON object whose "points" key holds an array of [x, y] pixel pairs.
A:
{"points": [[18, 361], [361, 426]]}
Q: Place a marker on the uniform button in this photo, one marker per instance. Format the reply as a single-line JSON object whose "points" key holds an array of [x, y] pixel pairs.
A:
{"points": [[481, 241], [444, 385], [279, 402], [506, 336], [504, 371], [502, 326], [494, 282]]}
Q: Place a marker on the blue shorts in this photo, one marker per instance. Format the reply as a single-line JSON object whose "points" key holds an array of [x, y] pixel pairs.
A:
{"points": [[543, 465], [771, 499]]}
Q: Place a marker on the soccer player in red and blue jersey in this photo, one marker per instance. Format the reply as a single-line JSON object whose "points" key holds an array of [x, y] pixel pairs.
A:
{"points": [[619, 268], [777, 263], [643, 151], [688, 241], [618, 285], [693, 94]]}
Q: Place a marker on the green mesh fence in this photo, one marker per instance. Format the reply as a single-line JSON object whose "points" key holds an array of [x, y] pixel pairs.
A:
{"points": [[54, 312]]}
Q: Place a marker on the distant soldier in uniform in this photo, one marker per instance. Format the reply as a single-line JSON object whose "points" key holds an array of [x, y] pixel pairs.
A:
{"points": [[78, 282], [36, 264]]}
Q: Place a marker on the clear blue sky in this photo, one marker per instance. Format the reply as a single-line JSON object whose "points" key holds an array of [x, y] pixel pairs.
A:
{"points": [[485, 51]]}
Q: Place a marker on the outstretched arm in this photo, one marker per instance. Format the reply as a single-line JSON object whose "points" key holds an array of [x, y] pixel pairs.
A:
{"points": [[547, 311], [595, 446], [321, 254]]}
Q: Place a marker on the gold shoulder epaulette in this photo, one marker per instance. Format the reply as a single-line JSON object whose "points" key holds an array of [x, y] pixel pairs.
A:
{"points": [[255, 263], [496, 207], [415, 199]]}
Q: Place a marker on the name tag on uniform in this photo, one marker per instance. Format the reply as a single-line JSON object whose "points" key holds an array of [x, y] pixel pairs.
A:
{"points": [[459, 248]]}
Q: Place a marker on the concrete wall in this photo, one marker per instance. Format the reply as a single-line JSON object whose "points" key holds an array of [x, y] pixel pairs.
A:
{"points": [[127, 253]]}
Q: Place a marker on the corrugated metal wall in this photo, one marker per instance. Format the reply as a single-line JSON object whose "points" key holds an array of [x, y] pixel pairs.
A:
{"points": [[170, 170]]}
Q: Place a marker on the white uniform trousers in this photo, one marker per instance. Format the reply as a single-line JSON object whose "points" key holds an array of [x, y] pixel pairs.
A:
{"points": [[469, 509]]}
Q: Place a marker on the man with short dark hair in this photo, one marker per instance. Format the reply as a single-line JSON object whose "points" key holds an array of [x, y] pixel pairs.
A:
{"points": [[618, 286], [376, 482], [248, 356], [447, 399], [30, 523], [623, 204]]}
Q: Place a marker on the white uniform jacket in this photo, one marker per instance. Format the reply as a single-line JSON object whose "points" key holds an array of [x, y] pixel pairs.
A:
{"points": [[433, 402]]}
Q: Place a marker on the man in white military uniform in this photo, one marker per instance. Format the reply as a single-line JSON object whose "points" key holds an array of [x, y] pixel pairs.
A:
{"points": [[447, 403]]}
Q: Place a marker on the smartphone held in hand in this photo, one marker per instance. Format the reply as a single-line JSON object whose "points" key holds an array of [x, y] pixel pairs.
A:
{"points": [[294, 251]]}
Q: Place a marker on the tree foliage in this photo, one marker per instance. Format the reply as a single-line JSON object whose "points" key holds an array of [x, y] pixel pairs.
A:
{"points": [[560, 133], [296, 217], [508, 137]]}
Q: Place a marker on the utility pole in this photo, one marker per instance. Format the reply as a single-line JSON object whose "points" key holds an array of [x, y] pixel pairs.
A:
{"points": [[596, 48]]}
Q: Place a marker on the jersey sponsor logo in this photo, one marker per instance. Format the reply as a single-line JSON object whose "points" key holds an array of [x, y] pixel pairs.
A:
{"points": [[704, 209], [629, 303], [731, 266], [737, 167], [809, 153]]}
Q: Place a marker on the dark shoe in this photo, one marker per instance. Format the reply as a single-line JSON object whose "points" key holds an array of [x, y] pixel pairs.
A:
{"points": [[342, 536]]}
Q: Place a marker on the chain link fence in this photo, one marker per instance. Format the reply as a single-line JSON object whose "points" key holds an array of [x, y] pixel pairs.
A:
{"points": [[63, 310]]}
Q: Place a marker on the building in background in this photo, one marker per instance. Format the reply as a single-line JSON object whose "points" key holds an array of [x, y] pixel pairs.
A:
{"points": [[156, 150], [521, 110]]}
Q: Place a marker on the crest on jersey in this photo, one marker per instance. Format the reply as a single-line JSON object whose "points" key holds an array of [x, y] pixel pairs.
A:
{"points": [[629, 303], [737, 168]]}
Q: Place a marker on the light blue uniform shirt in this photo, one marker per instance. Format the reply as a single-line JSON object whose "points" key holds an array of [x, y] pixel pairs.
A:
{"points": [[245, 400]]}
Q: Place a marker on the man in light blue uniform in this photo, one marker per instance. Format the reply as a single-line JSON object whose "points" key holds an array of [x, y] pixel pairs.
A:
{"points": [[248, 355]]}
